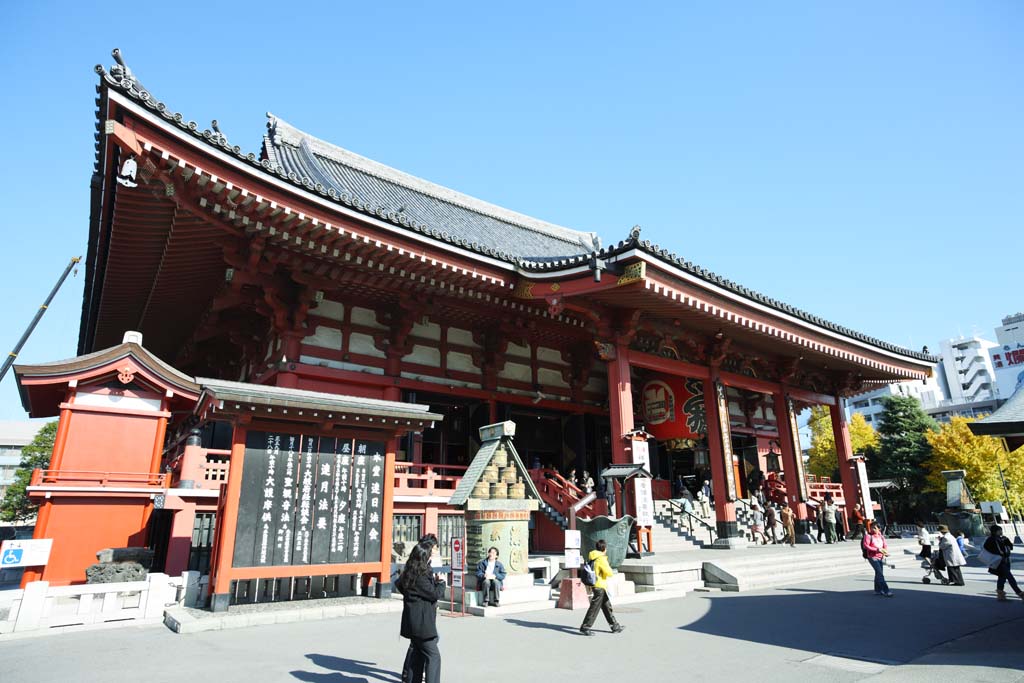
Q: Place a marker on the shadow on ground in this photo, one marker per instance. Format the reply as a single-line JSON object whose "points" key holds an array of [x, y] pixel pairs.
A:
{"points": [[542, 624], [856, 624], [345, 671]]}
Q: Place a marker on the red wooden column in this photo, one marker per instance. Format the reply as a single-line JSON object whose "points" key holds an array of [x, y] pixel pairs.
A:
{"points": [[220, 590], [722, 475], [844, 451], [620, 403], [792, 463]]}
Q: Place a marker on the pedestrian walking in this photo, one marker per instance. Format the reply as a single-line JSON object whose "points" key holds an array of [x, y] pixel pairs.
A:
{"points": [[840, 531], [856, 522], [770, 521], [420, 591], [757, 527], [787, 524], [819, 521], [828, 511], [924, 539], [599, 601], [704, 498], [997, 544], [875, 550], [951, 554]]}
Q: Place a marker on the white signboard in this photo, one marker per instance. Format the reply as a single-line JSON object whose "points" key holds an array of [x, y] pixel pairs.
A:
{"points": [[456, 578], [458, 555], [642, 454], [644, 501], [32, 553], [573, 539], [572, 558]]}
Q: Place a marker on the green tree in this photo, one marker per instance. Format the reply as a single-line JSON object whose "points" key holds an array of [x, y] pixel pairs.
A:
{"points": [[822, 459], [16, 507], [903, 454]]}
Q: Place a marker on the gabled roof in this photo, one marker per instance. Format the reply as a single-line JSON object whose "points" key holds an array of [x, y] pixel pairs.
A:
{"points": [[482, 459], [372, 188]]}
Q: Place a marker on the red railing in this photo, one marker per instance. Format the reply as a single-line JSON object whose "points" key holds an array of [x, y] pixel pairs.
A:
{"points": [[417, 479], [100, 479], [559, 492]]}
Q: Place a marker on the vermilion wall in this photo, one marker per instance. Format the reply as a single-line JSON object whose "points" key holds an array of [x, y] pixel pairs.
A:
{"points": [[105, 442], [82, 526]]}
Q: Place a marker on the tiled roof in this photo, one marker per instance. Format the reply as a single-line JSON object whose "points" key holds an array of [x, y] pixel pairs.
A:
{"points": [[458, 216], [386, 194], [670, 258], [1007, 419]]}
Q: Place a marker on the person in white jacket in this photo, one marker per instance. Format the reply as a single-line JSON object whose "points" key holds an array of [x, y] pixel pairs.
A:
{"points": [[924, 539], [952, 555]]}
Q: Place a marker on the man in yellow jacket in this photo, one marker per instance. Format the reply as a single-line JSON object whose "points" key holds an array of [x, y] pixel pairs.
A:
{"points": [[599, 592]]}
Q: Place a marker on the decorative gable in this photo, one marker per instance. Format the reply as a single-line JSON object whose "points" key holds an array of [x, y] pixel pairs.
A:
{"points": [[497, 477]]}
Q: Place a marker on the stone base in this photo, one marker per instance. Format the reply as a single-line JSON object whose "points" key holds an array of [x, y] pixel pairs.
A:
{"points": [[732, 543], [517, 589], [572, 594]]}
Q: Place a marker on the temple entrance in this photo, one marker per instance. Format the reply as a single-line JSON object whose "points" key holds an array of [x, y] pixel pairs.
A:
{"points": [[453, 440]]}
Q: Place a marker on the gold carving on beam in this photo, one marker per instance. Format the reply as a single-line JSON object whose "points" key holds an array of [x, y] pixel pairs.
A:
{"points": [[635, 272], [523, 290], [555, 286]]}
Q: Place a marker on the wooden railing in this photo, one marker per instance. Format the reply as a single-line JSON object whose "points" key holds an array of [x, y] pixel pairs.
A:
{"points": [[559, 492], [416, 479], [100, 479]]}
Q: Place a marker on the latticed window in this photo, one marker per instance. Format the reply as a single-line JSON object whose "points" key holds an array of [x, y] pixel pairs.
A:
{"points": [[449, 527], [405, 532]]}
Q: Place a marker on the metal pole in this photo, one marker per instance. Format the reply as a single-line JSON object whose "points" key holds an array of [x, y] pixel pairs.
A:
{"points": [[1006, 493], [9, 361]]}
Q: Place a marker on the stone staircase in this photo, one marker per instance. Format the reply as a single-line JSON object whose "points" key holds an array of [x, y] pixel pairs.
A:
{"points": [[766, 567], [554, 515], [521, 593]]}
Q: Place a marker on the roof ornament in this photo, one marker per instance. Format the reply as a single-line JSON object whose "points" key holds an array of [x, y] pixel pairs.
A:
{"points": [[634, 234], [221, 138], [129, 170], [120, 71]]}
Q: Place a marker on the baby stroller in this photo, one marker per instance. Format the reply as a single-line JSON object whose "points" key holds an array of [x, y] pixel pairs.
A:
{"points": [[934, 566]]}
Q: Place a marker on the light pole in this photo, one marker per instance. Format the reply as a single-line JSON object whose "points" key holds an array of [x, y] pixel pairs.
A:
{"points": [[1006, 494]]}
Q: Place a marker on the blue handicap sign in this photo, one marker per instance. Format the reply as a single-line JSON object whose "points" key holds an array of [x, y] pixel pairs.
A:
{"points": [[12, 556]]}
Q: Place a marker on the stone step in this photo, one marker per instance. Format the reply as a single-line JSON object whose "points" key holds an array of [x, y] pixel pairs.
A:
{"points": [[516, 608]]}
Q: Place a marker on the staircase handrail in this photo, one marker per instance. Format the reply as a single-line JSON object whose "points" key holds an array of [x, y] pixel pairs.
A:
{"points": [[678, 507], [558, 489]]}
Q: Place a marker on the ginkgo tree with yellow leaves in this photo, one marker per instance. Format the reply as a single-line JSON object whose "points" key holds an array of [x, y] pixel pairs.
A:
{"points": [[954, 447], [822, 460]]}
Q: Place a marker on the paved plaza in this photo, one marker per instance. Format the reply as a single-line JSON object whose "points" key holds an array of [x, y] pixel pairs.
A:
{"points": [[834, 630]]}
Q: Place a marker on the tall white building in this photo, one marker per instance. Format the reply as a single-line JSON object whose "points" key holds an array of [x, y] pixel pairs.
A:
{"points": [[14, 435], [1008, 355], [967, 368], [929, 392]]}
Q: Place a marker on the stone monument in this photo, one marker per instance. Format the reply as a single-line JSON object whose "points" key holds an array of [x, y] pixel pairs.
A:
{"points": [[497, 497]]}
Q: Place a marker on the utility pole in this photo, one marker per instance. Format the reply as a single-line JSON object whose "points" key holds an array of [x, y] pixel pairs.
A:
{"points": [[9, 361], [1006, 494]]}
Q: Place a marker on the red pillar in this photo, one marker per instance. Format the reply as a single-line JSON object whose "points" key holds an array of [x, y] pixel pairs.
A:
{"points": [[220, 574], [722, 474], [620, 403], [792, 464], [844, 451]]}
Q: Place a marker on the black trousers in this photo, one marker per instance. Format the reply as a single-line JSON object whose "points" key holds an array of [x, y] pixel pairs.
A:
{"points": [[422, 657], [490, 587], [1003, 572], [599, 602], [955, 575]]}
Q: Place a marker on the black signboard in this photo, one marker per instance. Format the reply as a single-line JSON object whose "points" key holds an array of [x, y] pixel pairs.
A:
{"points": [[309, 500]]}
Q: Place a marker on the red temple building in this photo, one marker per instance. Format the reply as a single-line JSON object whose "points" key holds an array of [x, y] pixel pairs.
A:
{"points": [[304, 266]]}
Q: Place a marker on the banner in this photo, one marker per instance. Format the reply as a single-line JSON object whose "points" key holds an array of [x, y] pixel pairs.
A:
{"points": [[673, 408]]}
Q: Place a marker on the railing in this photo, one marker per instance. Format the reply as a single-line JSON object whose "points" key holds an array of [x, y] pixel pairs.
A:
{"points": [[684, 514], [559, 492], [415, 479], [86, 478], [216, 468], [42, 606]]}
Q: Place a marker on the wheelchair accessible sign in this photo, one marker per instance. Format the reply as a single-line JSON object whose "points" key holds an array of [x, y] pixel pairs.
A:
{"points": [[34, 553]]}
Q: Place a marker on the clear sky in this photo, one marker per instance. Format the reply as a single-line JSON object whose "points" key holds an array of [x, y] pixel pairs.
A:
{"points": [[863, 162]]}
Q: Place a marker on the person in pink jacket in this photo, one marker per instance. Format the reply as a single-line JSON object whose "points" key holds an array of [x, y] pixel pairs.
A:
{"points": [[875, 551]]}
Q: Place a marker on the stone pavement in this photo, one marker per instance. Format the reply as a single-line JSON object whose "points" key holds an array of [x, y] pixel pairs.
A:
{"points": [[830, 630]]}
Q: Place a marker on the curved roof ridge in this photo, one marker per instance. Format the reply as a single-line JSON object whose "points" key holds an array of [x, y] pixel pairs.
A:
{"points": [[289, 134]]}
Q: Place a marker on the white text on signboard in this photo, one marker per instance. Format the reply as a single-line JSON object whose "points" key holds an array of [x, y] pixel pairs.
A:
{"points": [[29, 553]]}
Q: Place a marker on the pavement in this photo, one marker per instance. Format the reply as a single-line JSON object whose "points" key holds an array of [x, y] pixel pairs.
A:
{"points": [[830, 630]]}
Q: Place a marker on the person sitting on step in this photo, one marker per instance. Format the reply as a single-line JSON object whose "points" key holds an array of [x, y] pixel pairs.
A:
{"points": [[490, 573]]}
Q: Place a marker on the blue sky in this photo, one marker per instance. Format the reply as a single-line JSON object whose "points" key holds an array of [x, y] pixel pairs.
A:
{"points": [[862, 162]]}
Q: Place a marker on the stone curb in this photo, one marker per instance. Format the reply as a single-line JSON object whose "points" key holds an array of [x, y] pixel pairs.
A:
{"points": [[179, 620]]}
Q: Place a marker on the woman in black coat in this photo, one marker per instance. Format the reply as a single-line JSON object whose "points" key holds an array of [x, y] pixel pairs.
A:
{"points": [[997, 544], [420, 591]]}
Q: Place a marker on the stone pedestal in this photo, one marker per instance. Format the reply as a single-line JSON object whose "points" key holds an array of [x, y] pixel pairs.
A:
{"points": [[572, 594], [505, 529]]}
